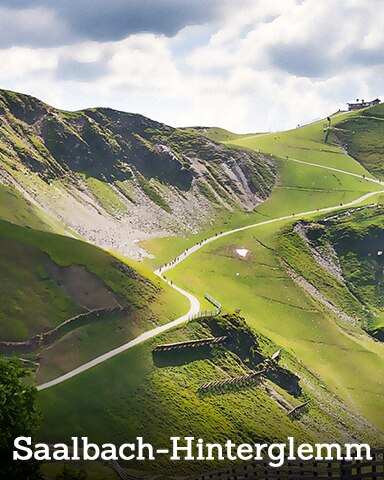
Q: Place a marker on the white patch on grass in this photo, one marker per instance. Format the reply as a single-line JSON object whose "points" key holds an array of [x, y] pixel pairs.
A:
{"points": [[242, 252]]}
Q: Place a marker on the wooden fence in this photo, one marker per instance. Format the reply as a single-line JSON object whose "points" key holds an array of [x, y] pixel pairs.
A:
{"points": [[320, 470], [190, 344], [311, 470], [251, 377], [214, 302], [204, 314], [46, 338], [208, 313]]}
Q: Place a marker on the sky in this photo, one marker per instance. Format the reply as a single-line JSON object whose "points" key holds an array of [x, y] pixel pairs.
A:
{"points": [[244, 65]]}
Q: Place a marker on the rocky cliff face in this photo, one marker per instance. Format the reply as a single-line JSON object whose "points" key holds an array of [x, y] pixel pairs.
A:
{"points": [[116, 177]]}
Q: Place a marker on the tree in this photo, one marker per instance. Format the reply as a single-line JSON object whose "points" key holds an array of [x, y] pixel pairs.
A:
{"points": [[18, 417]]}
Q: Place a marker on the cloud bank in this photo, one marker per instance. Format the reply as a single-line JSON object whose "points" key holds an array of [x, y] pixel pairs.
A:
{"points": [[253, 65]]}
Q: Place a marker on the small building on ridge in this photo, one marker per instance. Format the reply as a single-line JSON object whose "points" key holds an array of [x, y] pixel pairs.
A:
{"points": [[362, 104]]}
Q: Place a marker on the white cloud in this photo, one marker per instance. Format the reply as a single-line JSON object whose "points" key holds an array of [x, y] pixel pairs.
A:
{"points": [[143, 63], [19, 62], [268, 65]]}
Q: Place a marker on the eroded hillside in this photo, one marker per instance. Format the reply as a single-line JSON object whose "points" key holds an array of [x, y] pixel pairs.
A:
{"points": [[340, 260], [116, 178]]}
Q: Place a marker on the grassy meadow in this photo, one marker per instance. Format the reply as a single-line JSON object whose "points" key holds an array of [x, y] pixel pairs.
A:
{"points": [[32, 287], [338, 362]]}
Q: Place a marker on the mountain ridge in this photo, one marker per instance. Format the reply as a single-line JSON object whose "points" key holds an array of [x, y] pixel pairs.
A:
{"points": [[125, 170]]}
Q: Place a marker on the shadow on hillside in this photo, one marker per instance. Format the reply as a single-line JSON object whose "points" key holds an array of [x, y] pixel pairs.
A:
{"points": [[181, 356]]}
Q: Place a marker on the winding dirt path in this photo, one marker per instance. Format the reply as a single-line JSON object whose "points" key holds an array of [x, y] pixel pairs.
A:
{"points": [[368, 179], [194, 302], [194, 308]]}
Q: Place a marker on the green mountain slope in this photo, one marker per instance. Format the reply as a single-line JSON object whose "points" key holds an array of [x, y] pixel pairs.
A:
{"points": [[49, 279], [350, 246], [215, 133], [140, 394], [115, 177], [362, 135], [276, 302], [336, 361], [16, 208], [103, 174]]}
